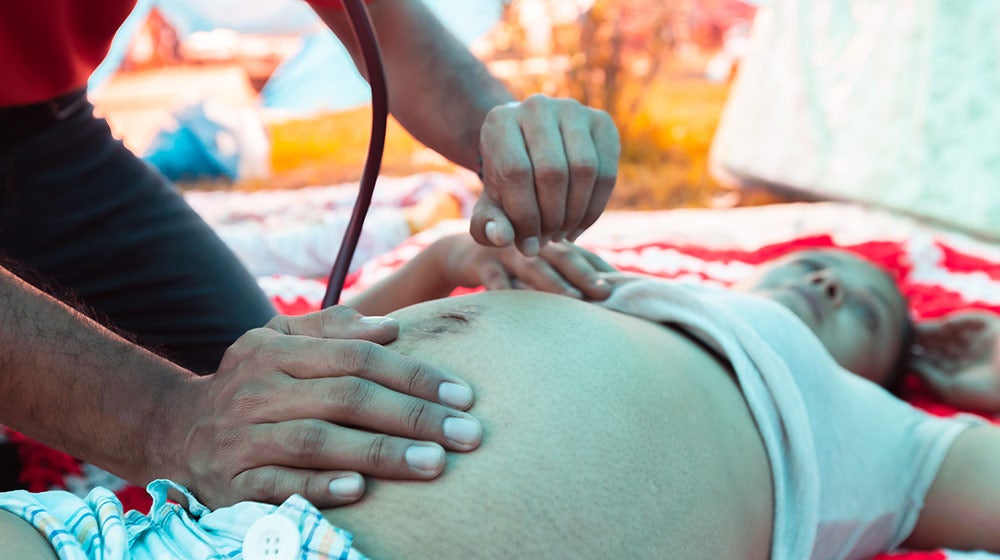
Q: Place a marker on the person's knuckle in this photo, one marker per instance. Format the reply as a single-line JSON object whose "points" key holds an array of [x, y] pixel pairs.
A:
{"points": [[522, 215], [351, 395], [550, 174], [255, 333], [256, 352], [336, 316], [536, 99], [378, 452], [220, 455], [249, 341], [265, 484], [417, 414], [585, 168], [277, 323], [307, 441], [359, 356], [487, 143], [247, 399], [513, 173], [416, 377], [231, 444]]}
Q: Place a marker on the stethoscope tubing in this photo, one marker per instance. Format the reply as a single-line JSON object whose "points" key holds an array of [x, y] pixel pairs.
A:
{"points": [[364, 36]]}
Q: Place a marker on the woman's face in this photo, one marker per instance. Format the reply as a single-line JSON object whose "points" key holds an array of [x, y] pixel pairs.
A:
{"points": [[852, 306]]}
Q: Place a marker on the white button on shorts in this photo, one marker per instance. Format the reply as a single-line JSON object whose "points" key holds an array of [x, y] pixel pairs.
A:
{"points": [[272, 537]]}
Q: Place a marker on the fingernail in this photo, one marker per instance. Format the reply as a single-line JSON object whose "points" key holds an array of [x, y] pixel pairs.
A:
{"points": [[463, 431], [425, 458], [531, 246], [347, 487], [376, 321], [576, 233], [493, 233], [455, 395]]}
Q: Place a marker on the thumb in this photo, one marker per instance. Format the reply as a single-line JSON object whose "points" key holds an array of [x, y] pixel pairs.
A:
{"points": [[337, 322], [489, 225]]}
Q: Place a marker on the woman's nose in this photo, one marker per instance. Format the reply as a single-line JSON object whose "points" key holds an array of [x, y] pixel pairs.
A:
{"points": [[829, 284]]}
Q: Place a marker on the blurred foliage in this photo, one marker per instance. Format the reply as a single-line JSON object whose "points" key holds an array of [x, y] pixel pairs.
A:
{"points": [[332, 148], [640, 61]]}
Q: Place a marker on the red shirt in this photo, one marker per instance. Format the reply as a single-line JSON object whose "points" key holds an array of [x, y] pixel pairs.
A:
{"points": [[50, 47]]}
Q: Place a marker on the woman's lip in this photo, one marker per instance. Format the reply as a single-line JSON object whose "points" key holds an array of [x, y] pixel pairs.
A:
{"points": [[811, 300]]}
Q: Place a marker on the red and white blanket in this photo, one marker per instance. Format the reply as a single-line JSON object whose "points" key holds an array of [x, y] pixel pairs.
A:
{"points": [[937, 270]]}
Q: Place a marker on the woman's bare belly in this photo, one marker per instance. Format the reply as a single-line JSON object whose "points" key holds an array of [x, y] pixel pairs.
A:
{"points": [[605, 436]]}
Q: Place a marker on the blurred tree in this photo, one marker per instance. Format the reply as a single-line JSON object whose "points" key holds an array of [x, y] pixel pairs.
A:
{"points": [[606, 56], [644, 63]]}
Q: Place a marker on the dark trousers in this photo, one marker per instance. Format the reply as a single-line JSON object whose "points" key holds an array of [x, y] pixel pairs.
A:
{"points": [[85, 212]]}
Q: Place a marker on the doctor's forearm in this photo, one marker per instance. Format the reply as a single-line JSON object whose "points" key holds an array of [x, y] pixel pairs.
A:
{"points": [[438, 90], [74, 385]]}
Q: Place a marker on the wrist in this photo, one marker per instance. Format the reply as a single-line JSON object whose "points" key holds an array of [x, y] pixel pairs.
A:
{"points": [[170, 426]]}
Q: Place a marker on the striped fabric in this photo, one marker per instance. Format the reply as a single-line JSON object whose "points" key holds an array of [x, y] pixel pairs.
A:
{"points": [[97, 528]]}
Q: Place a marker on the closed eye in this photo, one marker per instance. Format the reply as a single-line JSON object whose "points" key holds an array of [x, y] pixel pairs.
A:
{"points": [[866, 312]]}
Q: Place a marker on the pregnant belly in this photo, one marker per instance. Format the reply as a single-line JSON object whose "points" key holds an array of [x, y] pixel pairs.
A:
{"points": [[604, 436]]}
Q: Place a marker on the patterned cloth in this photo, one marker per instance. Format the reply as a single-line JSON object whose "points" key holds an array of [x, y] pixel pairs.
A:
{"points": [[96, 527]]}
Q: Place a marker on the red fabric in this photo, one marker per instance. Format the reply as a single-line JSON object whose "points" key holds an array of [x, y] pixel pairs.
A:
{"points": [[43, 468], [934, 555], [956, 260], [926, 300], [134, 497], [50, 47]]}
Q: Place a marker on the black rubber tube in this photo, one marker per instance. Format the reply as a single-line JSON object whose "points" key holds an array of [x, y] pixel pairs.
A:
{"points": [[364, 36]]}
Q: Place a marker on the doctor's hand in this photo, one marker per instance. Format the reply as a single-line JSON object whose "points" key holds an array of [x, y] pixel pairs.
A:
{"points": [[309, 404], [959, 357], [548, 168], [560, 268]]}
